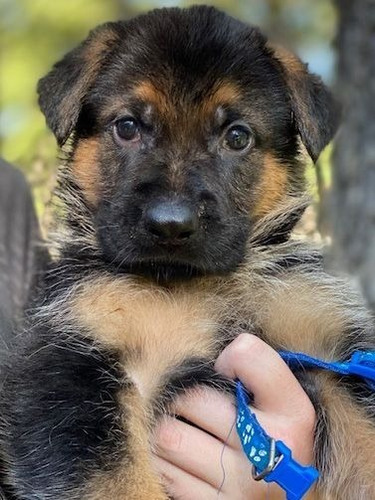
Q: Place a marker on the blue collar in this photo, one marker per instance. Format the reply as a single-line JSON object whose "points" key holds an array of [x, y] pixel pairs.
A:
{"points": [[272, 460]]}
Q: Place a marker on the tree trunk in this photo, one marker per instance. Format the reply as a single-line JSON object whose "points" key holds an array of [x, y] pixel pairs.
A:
{"points": [[349, 210]]}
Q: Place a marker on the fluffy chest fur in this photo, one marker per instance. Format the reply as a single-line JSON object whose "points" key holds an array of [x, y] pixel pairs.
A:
{"points": [[152, 328]]}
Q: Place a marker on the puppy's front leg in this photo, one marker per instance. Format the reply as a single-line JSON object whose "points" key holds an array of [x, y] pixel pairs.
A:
{"points": [[132, 477], [73, 425]]}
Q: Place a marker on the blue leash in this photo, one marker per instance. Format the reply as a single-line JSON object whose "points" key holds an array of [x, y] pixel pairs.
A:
{"points": [[272, 460], [361, 364]]}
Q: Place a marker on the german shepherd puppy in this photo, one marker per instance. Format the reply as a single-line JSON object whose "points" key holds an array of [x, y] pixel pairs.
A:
{"points": [[182, 182]]}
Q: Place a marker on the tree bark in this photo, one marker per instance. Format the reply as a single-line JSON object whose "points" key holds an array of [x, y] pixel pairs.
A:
{"points": [[349, 210]]}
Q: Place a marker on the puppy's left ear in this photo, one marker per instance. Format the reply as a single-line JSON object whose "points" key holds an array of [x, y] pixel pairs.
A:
{"points": [[316, 113], [63, 90]]}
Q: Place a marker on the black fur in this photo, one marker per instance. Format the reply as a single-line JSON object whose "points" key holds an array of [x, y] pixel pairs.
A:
{"points": [[63, 416], [190, 374]]}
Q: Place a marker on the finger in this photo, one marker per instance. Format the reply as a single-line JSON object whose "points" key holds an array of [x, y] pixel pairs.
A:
{"points": [[264, 373], [210, 410], [181, 484], [215, 413], [192, 450], [237, 483]]}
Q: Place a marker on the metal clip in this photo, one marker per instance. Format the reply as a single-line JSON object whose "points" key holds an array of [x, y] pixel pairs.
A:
{"points": [[271, 463]]}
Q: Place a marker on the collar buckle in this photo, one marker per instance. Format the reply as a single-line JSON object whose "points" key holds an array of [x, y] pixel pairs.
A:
{"points": [[294, 478]]}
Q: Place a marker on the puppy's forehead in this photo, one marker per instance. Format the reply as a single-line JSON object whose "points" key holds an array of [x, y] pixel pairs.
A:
{"points": [[168, 100], [178, 62], [165, 100]]}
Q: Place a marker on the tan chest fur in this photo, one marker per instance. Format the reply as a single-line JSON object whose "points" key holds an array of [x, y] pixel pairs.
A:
{"points": [[155, 329], [152, 328]]}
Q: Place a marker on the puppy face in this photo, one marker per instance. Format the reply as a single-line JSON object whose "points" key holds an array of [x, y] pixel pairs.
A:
{"points": [[185, 132]]}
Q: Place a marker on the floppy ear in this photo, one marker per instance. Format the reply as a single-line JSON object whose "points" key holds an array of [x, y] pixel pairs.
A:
{"points": [[316, 113], [62, 91]]}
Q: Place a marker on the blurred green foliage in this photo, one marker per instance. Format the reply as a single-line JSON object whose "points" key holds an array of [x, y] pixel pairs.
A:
{"points": [[36, 33]]}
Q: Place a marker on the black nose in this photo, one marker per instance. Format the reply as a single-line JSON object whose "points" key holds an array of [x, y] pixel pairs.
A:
{"points": [[171, 221]]}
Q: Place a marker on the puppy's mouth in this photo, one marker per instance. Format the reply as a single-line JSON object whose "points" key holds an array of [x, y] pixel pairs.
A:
{"points": [[162, 270], [197, 258]]}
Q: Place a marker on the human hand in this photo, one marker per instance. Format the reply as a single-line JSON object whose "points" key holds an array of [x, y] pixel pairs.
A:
{"points": [[208, 462]]}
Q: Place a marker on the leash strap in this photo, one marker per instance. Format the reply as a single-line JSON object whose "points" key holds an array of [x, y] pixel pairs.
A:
{"points": [[361, 364], [272, 460]]}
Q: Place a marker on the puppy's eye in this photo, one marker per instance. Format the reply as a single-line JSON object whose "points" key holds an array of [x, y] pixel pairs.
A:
{"points": [[238, 138], [127, 129]]}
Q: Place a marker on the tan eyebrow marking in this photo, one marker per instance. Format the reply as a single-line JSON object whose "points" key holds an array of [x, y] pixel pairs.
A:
{"points": [[147, 92], [224, 93]]}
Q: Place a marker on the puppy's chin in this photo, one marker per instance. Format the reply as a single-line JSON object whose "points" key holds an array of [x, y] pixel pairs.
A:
{"points": [[164, 272]]}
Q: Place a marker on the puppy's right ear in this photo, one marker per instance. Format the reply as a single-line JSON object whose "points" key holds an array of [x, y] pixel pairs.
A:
{"points": [[62, 91]]}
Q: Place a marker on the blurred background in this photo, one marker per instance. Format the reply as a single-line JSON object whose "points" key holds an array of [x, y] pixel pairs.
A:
{"points": [[336, 38]]}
